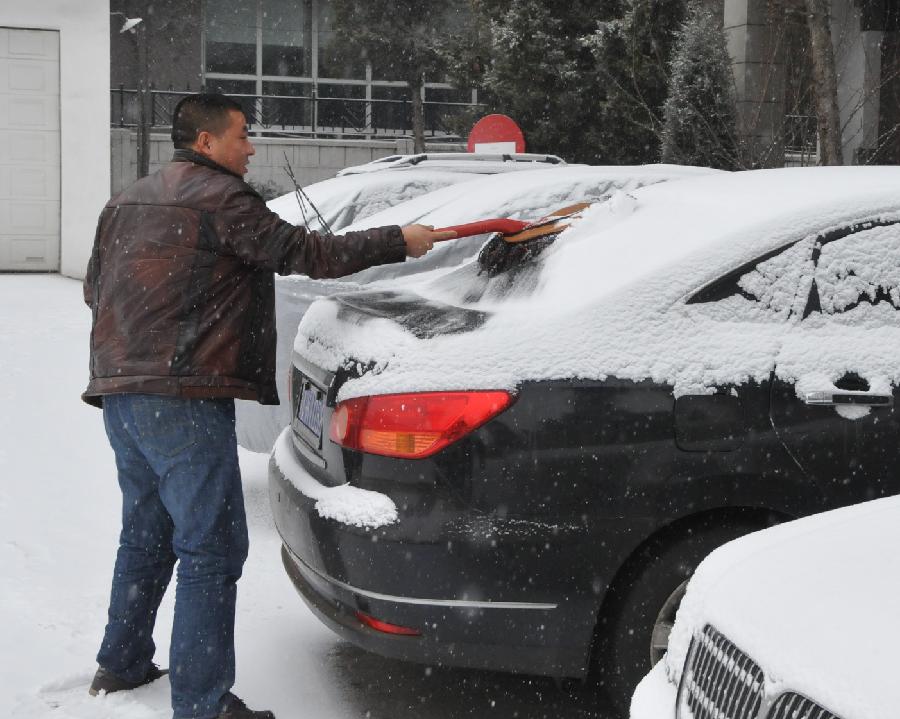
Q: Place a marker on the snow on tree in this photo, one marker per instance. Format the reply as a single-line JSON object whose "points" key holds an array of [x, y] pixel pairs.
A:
{"points": [[585, 79], [632, 53], [699, 113], [540, 72]]}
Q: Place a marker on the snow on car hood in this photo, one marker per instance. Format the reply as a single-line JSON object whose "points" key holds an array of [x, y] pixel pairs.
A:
{"points": [[608, 295], [813, 602]]}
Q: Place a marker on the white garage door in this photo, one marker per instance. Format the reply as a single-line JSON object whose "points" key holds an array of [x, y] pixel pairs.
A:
{"points": [[29, 149]]}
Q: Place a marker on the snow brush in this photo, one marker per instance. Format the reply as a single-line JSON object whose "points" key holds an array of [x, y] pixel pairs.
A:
{"points": [[515, 241], [515, 231]]}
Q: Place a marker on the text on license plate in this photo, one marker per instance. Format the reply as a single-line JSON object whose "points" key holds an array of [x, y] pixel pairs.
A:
{"points": [[309, 412]]}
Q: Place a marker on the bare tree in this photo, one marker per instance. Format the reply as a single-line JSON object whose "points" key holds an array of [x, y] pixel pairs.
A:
{"points": [[824, 82]]}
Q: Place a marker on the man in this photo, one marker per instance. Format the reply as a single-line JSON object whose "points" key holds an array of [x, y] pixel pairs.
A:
{"points": [[181, 287]]}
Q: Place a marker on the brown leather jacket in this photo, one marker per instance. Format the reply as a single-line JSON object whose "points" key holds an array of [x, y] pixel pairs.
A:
{"points": [[181, 287]]}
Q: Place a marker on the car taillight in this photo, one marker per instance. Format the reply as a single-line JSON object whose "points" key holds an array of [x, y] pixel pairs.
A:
{"points": [[413, 426]]}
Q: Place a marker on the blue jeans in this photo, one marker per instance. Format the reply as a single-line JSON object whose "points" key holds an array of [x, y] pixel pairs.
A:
{"points": [[181, 499]]}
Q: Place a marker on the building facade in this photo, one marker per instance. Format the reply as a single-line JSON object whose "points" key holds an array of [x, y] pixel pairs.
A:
{"points": [[769, 46], [54, 132], [280, 58], [305, 98], [320, 110]]}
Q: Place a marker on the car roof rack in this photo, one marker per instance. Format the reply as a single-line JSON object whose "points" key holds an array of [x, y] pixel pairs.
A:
{"points": [[449, 159]]}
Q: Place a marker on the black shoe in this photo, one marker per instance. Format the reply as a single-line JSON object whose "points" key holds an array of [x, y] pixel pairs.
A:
{"points": [[108, 683], [234, 708]]}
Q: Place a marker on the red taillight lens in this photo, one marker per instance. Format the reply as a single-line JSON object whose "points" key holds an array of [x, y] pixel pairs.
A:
{"points": [[386, 627], [412, 426]]}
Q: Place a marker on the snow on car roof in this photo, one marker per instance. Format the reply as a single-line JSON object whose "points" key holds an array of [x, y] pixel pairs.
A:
{"points": [[606, 295], [342, 200], [727, 216], [528, 194], [813, 602], [534, 192]]}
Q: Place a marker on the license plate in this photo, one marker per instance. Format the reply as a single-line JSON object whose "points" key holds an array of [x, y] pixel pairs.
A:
{"points": [[310, 409]]}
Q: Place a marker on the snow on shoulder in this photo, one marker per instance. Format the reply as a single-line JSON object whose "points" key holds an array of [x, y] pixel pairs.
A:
{"points": [[345, 504], [621, 293]]}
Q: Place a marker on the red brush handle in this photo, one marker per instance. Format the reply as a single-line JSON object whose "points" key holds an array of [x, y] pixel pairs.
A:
{"points": [[502, 225]]}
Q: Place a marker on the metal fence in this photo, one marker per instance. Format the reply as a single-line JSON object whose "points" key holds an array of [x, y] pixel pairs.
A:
{"points": [[310, 115], [801, 140]]}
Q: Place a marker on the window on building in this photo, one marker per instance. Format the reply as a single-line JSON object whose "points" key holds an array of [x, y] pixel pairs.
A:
{"points": [[333, 59], [286, 38], [282, 54], [230, 37]]}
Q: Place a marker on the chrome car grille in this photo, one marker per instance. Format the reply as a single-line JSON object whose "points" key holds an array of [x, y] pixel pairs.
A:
{"points": [[720, 681], [795, 706]]}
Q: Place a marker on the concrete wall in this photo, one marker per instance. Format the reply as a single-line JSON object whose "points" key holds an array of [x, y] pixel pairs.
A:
{"points": [[757, 60], [857, 58], [311, 160], [83, 27]]}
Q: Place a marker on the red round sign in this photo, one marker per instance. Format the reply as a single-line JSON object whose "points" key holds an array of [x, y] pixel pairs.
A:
{"points": [[496, 133]]}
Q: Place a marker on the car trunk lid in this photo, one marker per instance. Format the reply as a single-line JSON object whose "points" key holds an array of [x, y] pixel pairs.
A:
{"points": [[314, 389]]}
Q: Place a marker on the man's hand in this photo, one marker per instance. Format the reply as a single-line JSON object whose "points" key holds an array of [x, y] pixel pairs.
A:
{"points": [[421, 238]]}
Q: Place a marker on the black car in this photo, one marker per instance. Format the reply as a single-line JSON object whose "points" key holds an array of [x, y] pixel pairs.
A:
{"points": [[519, 465]]}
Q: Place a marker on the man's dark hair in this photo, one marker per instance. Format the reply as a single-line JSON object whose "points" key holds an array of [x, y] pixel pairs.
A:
{"points": [[196, 113]]}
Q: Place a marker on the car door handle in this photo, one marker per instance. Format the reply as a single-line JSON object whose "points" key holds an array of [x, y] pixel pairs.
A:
{"points": [[864, 399]]}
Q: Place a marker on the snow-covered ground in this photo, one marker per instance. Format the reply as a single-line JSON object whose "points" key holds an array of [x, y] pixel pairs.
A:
{"points": [[59, 506]]}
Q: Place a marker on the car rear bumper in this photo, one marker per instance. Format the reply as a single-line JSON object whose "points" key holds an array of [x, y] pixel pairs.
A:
{"points": [[391, 574]]}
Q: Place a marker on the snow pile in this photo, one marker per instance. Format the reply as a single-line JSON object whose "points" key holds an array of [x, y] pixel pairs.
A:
{"points": [[609, 297], [813, 602], [344, 503]]}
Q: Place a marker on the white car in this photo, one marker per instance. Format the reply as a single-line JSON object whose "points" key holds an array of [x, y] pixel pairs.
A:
{"points": [[523, 194], [357, 192], [794, 622]]}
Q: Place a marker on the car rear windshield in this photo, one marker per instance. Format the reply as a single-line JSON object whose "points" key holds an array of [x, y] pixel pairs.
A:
{"points": [[501, 271]]}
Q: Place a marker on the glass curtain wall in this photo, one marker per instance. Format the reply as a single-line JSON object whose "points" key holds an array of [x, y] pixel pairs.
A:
{"points": [[280, 59]]}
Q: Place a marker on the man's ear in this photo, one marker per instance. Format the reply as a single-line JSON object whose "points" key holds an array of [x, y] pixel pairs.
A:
{"points": [[202, 143]]}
